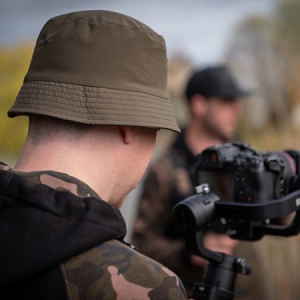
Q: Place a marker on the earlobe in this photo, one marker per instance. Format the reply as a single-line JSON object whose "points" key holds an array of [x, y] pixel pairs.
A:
{"points": [[127, 133]]}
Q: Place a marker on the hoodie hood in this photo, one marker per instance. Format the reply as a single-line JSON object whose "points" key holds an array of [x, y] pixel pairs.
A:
{"points": [[41, 227]]}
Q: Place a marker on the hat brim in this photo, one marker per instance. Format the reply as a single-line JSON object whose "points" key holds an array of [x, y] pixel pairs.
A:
{"points": [[94, 105]]}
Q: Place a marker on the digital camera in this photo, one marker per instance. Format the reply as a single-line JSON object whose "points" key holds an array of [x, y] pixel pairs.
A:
{"points": [[236, 172]]}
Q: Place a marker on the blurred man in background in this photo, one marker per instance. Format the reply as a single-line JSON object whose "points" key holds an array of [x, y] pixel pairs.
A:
{"points": [[213, 98]]}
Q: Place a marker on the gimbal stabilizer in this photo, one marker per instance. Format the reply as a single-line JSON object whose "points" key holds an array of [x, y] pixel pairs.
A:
{"points": [[242, 221]]}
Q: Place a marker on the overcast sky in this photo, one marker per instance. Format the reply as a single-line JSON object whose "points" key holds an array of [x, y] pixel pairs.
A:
{"points": [[200, 29]]}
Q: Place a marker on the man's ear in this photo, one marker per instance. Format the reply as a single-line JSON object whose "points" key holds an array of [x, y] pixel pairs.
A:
{"points": [[198, 105], [127, 133]]}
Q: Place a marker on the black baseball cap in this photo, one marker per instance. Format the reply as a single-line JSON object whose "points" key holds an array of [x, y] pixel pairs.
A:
{"points": [[214, 82]]}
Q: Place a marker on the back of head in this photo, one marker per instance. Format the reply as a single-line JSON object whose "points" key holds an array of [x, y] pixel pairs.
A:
{"points": [[44, 129], [215, 81], [98, 67]]}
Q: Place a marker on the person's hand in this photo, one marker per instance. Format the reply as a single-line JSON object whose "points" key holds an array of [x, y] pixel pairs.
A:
{"points": [[217, 243]]}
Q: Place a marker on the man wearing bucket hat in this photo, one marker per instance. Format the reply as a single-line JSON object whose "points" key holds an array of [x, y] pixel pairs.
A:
{"points": [[96, 94], [213, 98]]}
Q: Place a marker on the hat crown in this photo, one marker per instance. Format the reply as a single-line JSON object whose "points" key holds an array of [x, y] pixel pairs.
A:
{"points": [[98, 67], [100, 48]]}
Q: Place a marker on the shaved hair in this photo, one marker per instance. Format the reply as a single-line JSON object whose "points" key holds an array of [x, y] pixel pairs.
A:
{"points": [[44, 129]]}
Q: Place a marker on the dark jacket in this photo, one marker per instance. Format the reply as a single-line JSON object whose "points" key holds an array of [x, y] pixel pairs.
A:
{"points": [[170, 180], [59, 241]]}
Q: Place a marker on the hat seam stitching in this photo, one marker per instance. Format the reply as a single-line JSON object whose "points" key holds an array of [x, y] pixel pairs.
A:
{"points": [[100, 87], [165, 105], [101, 109], [148, 117]]}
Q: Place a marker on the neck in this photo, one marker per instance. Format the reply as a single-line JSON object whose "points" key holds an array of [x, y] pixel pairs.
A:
{"points": [[92, 165], [198, 139]]}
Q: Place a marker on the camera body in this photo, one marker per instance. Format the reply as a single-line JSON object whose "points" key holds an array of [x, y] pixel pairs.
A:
{"points": [[238, 173]]}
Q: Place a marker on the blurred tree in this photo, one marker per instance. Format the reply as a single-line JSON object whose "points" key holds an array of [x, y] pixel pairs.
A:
{"points": [[179, 70], [287, 23], [264, 51], [14, 62], [287, 31]]}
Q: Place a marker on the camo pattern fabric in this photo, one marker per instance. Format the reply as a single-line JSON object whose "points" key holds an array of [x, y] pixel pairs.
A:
{"points": [[113, 270], [58, 181], [154, 233], [169, 181]]}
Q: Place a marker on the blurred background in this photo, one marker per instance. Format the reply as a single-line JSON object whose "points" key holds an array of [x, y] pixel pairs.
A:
{"points": [[259, 40]]}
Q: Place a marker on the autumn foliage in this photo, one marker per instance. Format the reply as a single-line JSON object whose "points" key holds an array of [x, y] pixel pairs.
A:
{"points": [[14, 62]]}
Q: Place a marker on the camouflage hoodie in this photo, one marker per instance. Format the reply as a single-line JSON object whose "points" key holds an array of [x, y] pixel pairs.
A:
{"points": [[59, 240]]}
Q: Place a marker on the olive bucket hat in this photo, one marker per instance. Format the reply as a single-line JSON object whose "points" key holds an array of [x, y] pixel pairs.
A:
{"points": [[98, 67]]}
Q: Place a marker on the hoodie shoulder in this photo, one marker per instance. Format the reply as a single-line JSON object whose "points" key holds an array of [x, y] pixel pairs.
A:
{"points": [[115, 271]]}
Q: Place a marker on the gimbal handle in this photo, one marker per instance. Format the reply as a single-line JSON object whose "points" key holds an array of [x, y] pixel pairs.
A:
{"points": [[220, 274]]}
